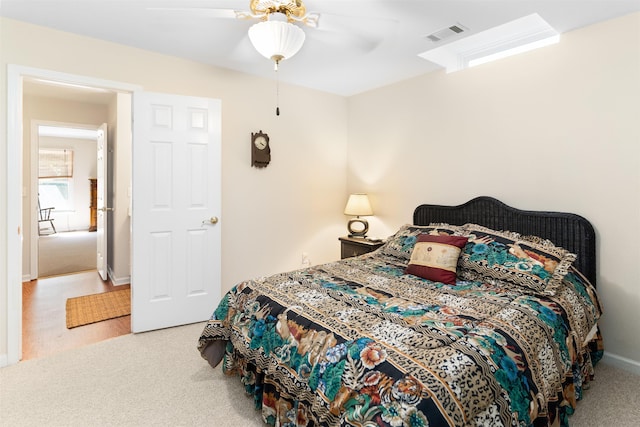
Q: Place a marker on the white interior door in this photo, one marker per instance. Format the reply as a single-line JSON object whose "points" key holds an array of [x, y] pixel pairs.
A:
{"points": [[101, 202], [175, 277]]}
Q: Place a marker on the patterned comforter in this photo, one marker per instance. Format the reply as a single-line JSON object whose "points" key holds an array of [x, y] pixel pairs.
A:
{"points": [[358, 342]]}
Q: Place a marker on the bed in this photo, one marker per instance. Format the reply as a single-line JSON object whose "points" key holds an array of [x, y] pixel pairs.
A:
{"points": [[478, 314]]}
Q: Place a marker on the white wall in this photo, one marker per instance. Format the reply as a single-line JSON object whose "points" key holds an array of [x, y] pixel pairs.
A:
{"points": [[269, 216], [553, 129]]}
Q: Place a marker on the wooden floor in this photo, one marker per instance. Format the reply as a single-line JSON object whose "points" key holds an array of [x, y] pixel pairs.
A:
{"points": [[44, 330]]}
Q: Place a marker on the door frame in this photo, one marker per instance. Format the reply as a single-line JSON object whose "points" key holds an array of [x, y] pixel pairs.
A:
{"points": [[12, 277]]}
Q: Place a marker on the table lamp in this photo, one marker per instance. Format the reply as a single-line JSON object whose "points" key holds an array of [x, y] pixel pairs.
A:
{"points": [[358, 205]]}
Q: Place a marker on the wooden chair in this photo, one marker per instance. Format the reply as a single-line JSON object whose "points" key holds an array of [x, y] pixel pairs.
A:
{"points": [[44, 217]]}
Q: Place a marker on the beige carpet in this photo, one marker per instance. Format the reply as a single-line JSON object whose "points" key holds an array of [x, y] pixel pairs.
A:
{"points": [[159, 379], [64, 253], [97, 307]]}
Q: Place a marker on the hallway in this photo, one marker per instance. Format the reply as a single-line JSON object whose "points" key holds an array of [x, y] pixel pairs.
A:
{"points": [[44, 330]]}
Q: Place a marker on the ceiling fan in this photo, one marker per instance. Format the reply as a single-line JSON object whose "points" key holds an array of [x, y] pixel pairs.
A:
{"points": [[278, 34]]}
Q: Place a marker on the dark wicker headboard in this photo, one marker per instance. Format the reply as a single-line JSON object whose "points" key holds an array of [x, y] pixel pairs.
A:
{"points": [[567, 230]]}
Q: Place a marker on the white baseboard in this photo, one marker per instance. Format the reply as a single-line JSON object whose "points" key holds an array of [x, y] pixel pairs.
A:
{"points": [[3, 360], [629, 365], [26, 278], [120, 280], [116, 281]]}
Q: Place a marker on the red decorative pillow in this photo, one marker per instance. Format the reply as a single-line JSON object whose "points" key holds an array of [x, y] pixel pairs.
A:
{"points": [[436, 257]]}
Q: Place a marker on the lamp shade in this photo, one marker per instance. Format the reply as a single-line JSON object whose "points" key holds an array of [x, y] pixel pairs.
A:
{"points": [[276, 40], [358, 204]]}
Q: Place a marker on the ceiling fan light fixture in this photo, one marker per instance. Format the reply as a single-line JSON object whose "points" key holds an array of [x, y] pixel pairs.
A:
{"points": [[276, 40]]}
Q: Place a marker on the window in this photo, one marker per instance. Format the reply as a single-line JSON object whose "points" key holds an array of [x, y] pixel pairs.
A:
{"points": [[55, 183], [55, 163]]}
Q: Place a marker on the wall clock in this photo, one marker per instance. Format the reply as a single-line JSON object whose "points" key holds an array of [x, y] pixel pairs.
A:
{"points": [[260, 150]]}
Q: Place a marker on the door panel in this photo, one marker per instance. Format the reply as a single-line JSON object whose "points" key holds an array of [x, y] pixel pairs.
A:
{"points": [[176, 190]]}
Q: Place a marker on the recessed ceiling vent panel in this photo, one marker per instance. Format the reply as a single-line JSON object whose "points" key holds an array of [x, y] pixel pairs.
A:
{"points": [[447, 32], [520, 35]]}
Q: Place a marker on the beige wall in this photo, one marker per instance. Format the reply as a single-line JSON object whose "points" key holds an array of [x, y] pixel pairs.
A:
{"points": [[269, 216], [554, 129]]}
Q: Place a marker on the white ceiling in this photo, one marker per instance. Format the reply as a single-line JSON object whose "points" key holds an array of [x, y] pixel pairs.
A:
{"points": [[359, 44]]}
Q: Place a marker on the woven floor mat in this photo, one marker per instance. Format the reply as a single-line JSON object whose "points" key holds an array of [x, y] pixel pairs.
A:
{"points": [[98, 307]]}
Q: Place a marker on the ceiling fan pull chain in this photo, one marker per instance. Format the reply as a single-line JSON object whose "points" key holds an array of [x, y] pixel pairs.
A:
{"points": [[277, 92]]}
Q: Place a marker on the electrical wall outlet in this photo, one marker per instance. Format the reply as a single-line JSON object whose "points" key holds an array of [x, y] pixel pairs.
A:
{"points": [[306, 262]]}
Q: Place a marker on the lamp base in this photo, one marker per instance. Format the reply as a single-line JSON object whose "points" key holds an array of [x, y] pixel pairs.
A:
{"points": [[359, 231]]}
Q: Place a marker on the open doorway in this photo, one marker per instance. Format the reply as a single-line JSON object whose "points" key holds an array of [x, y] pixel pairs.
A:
{"points": [[71, 121], [66, 198], [66, 242]]}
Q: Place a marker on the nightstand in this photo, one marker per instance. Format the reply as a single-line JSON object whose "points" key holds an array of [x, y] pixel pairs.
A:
{"points": [[354, 246]]}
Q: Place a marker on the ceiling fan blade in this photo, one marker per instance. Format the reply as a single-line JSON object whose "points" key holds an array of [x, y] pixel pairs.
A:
{"points": [[360, 33], [200, 12], [360, 24], [346, 40]]}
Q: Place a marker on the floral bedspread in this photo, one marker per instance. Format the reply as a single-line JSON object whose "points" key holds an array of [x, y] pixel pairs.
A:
{"points": [[358, 342]]}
